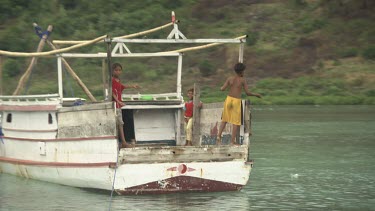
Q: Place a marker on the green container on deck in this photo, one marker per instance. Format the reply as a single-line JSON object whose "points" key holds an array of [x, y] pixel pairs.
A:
{"points": [[146, 97]]}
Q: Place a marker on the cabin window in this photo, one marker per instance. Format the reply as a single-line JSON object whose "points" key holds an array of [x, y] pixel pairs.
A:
{"points": [[9, 118], [49, 118]]}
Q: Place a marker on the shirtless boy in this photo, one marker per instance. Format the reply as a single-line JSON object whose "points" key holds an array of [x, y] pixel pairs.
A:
{"points": [[232, 104]]}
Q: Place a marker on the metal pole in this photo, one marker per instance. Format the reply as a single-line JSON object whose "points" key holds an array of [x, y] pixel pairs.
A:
{"points": [[178, 122], [59, 76], [240, 59], [179, 72]]}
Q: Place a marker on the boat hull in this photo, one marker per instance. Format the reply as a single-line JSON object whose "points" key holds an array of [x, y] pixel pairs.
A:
{"points": [[78, 146], [134, 179]]}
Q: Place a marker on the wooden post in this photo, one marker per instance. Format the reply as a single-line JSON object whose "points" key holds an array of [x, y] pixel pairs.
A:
{"points": [[247, 118], [196, 116], [104, 79], [33, 61], [247, 126], [74, 75], [109, 63]]}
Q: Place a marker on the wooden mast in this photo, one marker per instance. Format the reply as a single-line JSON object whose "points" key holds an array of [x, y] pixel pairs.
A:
{"points": [[33, 61]]}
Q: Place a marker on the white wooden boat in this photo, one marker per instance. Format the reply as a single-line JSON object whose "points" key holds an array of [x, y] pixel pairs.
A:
{"points": [[47, 137], [77, 146]]}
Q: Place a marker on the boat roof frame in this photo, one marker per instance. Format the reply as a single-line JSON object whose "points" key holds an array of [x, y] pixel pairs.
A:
{"points": [[120, 50]]}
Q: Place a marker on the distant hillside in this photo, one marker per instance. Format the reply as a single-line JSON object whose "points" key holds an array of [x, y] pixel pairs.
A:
{"points": [[297, 52]]}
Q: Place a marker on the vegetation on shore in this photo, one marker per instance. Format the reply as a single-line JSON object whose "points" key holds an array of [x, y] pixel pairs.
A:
{"points": [[298, 51]]}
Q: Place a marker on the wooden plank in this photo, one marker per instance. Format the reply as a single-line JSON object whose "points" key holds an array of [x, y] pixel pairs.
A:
{"points": [[196, 116], [171, 154]]}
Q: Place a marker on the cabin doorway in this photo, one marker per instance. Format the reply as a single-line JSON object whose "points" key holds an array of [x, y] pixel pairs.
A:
{"points": [[128, 118]]}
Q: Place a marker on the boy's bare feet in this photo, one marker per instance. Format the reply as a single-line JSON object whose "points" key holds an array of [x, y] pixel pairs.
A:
{"points": [[234, 143], [218, 140], [133, 142], [126, 145], [188, 143]]}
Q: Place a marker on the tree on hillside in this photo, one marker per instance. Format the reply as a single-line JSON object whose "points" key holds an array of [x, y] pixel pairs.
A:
{"points": [[348, 7]]}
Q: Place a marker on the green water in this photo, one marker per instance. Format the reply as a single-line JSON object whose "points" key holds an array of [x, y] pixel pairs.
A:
{"points": [[306, 158]]}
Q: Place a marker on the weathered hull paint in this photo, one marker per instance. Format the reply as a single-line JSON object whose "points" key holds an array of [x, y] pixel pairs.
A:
{"points": [[96, 176], [53, 164], [180, 184]]}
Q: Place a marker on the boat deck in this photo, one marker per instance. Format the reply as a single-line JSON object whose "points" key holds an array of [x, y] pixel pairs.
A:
{"points": [[186, 154]]}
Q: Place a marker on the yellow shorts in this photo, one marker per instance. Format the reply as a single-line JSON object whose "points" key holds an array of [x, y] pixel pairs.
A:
{"points": [[232, 111], [189, 129]]}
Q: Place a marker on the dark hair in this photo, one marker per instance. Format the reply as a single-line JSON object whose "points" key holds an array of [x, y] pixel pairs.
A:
{"points": [[239, 67], [115, 65], [190, 90]]}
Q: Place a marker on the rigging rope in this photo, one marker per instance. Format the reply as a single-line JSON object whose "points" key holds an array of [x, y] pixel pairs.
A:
{"points": [[66, 42], [62, 50], [200, 47]]}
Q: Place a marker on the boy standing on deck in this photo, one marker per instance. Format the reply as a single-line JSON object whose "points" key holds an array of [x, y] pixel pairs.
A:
{"points": [[117, 88], [189, 106], [232, 104]]}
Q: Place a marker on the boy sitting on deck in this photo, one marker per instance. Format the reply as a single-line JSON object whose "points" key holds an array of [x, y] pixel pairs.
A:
{"points": [[189, 106], [232, 104]]}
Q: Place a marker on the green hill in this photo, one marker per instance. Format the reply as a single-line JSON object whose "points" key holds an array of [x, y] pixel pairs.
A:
{"points": [[297, 52]]}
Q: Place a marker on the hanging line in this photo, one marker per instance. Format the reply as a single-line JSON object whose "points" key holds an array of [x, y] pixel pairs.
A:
{"points": [[113, 183]]}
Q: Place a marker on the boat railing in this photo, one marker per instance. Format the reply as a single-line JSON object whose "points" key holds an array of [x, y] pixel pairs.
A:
{"points": [[152, 97], [19, 98]]}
